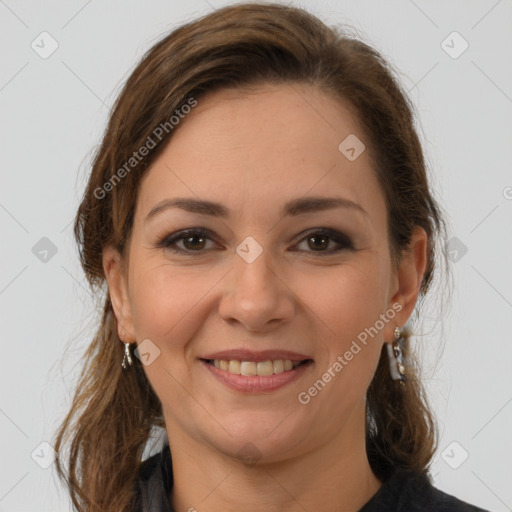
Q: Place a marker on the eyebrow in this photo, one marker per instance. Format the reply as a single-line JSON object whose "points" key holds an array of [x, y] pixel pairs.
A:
{"points": [[291, 208]]}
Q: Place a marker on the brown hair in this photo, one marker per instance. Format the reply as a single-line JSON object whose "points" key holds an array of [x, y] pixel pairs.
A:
{"points": [[113, 412]]}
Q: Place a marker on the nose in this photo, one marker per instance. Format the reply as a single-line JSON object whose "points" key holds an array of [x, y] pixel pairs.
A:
{"points": [[256, 296]]}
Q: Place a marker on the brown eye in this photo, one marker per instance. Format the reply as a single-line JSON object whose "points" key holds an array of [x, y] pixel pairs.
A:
{"points": [[326, 241], [192, 241], [319, 242]]}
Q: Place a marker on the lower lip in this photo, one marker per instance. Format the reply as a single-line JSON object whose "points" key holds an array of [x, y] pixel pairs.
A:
{"points": [[257, 383]]}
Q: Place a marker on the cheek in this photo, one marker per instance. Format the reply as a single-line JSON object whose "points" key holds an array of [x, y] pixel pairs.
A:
{"points": [[167, 308], [164, 297], [350, 301], [348, 298]]}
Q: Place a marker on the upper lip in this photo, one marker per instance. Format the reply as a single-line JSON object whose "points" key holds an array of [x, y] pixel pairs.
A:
{"points": [[262, 355]]}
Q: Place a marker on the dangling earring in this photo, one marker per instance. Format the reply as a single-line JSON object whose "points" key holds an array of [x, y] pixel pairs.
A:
{"points": [[127, 358], [396, 366]]}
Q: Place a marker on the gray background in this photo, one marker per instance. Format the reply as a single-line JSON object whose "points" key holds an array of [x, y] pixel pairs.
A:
{"points": [[53, 112]]}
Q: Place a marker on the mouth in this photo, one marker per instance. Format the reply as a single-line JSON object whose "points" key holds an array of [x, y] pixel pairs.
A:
{"points": [[256, 368], [256, 372]]}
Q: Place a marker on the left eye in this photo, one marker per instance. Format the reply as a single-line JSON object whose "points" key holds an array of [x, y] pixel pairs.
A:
{"points": [[321, 239], [194, 241]]}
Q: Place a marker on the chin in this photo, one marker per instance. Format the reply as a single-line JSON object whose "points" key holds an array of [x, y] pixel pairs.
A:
{"points": [[257, 440]]}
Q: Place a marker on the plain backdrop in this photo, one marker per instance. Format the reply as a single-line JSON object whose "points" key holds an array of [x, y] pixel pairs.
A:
{"points": [[53, 111]]}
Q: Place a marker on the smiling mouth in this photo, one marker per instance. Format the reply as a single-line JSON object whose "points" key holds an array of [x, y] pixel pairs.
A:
{"points": [[256, 368]]}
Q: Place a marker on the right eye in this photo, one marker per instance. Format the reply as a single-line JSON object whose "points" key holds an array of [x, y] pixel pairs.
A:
{"points": [[193, 241]]}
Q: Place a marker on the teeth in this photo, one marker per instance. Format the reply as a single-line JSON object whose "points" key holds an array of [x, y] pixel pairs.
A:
{"points": [[278, 366], [234, 367], [265, 368], [248, 368], [261, 368]]}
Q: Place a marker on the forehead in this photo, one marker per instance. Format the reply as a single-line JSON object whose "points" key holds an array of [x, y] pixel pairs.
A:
{"points": [[256, 149]]}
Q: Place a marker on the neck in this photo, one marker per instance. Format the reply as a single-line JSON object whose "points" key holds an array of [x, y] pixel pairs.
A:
{"points": [[331, 477]]}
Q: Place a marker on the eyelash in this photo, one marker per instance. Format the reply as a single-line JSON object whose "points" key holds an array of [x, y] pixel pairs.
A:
{"points": [[168, 241]]}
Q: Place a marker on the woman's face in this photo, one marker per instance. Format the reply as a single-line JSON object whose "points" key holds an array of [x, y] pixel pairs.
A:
{"points": [[272, 277]]}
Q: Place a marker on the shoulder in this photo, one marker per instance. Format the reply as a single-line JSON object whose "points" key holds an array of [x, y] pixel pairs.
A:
{"points": [[154, 483], [406, 491], [149, 467]]}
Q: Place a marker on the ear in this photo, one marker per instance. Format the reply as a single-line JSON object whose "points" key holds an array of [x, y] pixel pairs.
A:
{"points": [[114, 269], [408, 279]]}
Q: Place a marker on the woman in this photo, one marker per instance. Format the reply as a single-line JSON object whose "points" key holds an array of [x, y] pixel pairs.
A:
{"points": [[260, 213]]}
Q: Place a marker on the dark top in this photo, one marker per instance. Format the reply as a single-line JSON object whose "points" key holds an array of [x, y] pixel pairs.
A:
{"points": [[402, 492]]}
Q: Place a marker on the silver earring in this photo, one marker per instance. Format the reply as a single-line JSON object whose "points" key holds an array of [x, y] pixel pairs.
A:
{"points": [[127, 358], [396, 364]]}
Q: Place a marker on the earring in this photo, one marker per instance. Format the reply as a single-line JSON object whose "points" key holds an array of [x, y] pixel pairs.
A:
{"points": [[127, 358], [396, 365]]}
